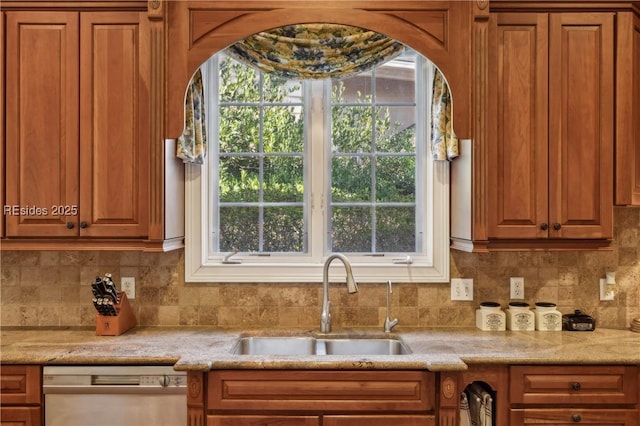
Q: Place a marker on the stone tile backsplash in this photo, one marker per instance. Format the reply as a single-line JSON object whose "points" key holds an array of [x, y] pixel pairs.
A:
{"points": [[53, 289]]}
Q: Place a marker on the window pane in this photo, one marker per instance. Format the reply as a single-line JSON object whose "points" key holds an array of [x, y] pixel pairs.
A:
{"points": [[239, 179], [239, 129], [350, 179], [283, 179], [395, 80], [395, 179], [238, 83], [239, 228], [284, 229], [283, 129], [281, 89], [351, 229], [395, 229], [395, 129], [351, 129], [352, 89]]}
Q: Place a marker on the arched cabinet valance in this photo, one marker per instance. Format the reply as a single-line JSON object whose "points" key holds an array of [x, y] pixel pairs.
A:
{"points": [[440, 30]]}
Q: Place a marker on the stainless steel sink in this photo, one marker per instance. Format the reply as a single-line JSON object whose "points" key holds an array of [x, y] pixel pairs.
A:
{"points": [[365, 346], [271, 345], [275, 346]]}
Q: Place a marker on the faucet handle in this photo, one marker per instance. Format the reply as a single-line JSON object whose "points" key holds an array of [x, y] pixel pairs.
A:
{"points": [[388, 322]]}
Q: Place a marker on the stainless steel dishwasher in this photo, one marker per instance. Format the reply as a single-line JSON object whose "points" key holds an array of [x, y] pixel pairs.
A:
{"points": [[114, 396]]}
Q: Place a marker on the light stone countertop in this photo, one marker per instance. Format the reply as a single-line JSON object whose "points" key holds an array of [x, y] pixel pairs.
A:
{"points": [[202, 349]]}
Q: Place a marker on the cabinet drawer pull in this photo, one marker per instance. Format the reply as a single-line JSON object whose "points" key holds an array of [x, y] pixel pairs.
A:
{"points": [[575, 386], [83, 224], [544, 226], [557, 226], [70, 225], [576, 418]]}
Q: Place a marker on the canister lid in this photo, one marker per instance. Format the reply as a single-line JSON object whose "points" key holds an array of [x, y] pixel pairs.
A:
{"points": [[545, 304], [518, 304], [489, 305]]}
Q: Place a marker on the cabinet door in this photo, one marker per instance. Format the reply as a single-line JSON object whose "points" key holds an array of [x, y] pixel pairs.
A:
{"points": [[381, 420], [41, 123], [114, 124], [581, 93], [517, 181], [628, 109], [20, 416], [20, 384], [231, 420], [572, 416]]}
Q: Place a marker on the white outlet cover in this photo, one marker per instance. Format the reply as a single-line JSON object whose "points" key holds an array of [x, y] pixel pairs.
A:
{"points": [[128, 285], [516, 288]]}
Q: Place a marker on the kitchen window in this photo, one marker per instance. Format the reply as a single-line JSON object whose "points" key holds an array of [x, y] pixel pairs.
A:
{"points": [[300, 169]]}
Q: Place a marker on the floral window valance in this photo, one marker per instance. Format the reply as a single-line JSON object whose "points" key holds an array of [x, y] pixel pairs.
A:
{"points": [[315, 51], [192, 144]]}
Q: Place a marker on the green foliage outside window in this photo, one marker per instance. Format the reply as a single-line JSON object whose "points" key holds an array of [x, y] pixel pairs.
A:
{"points": [[261, 148]]}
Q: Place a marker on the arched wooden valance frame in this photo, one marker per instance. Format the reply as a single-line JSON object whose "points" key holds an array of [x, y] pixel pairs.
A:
{"points": [[440, 30], [184, 33]]}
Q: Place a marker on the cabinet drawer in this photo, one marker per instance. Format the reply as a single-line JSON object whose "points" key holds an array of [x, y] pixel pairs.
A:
{"points": [[381, 420], [20, 384], [263, 420], [20, 416], [326, 391], [568, 416], [573, 385]]}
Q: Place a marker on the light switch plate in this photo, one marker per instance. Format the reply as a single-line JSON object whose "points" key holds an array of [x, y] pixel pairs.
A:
{"points": [[605, 295], [461, 288]]}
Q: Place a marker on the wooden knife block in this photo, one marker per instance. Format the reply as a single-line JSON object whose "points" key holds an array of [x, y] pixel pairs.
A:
{"points": [[118, 324]]}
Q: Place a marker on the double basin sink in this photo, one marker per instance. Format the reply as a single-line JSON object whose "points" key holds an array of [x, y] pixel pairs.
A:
{"points": [[307, 345]]}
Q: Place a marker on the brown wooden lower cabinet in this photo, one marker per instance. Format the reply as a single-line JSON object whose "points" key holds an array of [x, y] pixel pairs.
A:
{"points": [[231, 420], [395, 420], [570, 416], [20, 395], [20, 416], [603, 395]]}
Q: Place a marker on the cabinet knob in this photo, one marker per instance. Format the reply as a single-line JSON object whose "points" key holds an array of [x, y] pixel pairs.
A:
{"points": [[576, 418], [544, 226], [83, 224], [575, 386], [70, 225], [557, 226]]}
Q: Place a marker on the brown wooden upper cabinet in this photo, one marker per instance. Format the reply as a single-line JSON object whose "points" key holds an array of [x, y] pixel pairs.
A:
{"points": [[77, 131], [551, 126], [628, 109]]}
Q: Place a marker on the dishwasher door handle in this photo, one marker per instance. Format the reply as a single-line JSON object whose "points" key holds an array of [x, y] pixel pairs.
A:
{"points": [[116, 390]]}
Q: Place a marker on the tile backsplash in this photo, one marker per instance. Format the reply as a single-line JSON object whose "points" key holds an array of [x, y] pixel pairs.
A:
{"points": [[53, 289]]}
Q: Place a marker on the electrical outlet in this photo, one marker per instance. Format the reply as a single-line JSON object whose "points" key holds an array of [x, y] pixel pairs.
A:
{"points": [[128, 285], [462, 289], [517, 287]]}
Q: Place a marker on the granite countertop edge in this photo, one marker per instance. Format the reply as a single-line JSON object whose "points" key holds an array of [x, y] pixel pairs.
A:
{"points": [[206, 348]]}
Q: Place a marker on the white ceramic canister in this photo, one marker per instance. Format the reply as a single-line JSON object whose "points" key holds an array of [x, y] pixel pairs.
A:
{"points": [[548, 318], [520, 317], [490, 317]]}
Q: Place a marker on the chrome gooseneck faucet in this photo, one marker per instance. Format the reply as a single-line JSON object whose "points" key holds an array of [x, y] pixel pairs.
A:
{"points": [[352, 287], [388, 322]]}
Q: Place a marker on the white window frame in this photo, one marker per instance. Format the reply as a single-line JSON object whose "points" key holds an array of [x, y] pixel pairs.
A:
{"points": [[202, 264]]}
